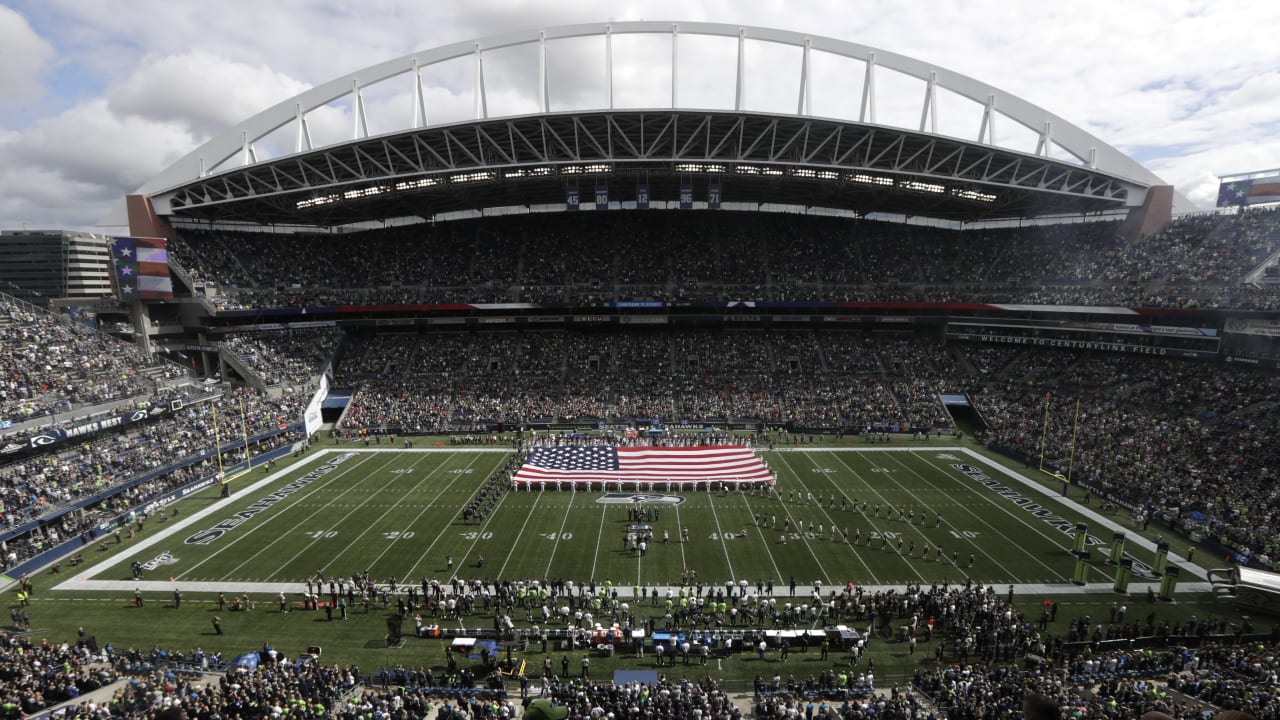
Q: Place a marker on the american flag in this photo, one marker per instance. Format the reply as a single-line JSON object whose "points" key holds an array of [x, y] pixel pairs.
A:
{"points": [[603, 463], [141, 268]]}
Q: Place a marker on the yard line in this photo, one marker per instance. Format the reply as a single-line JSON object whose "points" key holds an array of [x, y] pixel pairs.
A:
{"points": [[447, 526], [638, 556], [479, 534], [599, 533], [988, 498], [888, 505], [349, 513], [1010, 541], [772, 561], [421, 512], [711, 502], [803, 539], [846, 541], [920, 529], [268, 517], [516, 543], [563, 522], [684, 564]]}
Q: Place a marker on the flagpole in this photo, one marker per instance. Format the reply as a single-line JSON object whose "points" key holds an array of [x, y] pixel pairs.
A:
{"points": [[216, 440], [1044, 434], [244, 428], [1075, 426]]}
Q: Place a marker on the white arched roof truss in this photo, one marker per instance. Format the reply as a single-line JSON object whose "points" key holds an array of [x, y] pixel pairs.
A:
{"points": [[238, 146]]}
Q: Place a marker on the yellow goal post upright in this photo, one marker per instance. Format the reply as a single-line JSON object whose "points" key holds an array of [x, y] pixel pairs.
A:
{"points": [[240, 468], [1044, 440]]}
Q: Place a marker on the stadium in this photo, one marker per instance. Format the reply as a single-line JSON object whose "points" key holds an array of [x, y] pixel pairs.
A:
{"points": [[678, 411]]}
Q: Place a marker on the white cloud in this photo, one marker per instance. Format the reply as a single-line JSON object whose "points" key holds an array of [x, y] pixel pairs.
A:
{"points": [[1187, 85], [199, 90], [24, 57]]}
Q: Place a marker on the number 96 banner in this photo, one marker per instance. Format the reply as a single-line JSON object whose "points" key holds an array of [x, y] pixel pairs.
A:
{"points": [[686, 196]]}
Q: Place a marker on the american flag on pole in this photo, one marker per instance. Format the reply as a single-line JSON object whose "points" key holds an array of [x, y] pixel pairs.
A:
{"points": [[141, 268], [603, 463]]}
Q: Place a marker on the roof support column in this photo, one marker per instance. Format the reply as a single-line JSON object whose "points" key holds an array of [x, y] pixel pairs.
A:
{"points": [[544, 101], [929, 113], [803, 104], [482, 103], [987, 130], [608, 63], [419, 102], [359, 123], [741, 86], [303, 141], [1046, 138], [675, 36], [868, 111]]}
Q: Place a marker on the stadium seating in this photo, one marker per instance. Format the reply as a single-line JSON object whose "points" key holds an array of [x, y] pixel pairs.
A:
{"points": [[588, 259], [51, 366]]}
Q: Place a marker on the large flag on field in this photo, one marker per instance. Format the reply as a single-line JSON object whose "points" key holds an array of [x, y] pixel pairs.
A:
{"points": [[141, 268], [604, 463]]}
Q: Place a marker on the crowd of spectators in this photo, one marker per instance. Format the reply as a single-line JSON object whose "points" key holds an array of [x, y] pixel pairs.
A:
{"points": [[1197, 431], [591, 259], [988, 656], [1181, 682], [50, 365], [1182, 440], [458, 381], [292, 357], [38, 486]]}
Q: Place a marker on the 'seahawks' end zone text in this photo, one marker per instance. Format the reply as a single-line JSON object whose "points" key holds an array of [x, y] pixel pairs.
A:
{"points": [[204, 537]]}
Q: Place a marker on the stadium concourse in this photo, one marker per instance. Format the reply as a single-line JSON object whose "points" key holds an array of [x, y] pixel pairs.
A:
{"points": [[577, 260]]}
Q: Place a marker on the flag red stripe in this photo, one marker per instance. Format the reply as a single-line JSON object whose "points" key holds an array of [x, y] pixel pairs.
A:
{"points": [[692, 464]]}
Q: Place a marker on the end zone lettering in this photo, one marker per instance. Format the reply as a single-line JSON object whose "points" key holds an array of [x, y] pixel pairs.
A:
{"points": [[1140, 569], [204, 537]]}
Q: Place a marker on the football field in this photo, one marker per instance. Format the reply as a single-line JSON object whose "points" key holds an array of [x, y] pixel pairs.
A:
{"points": [[874, 516]]}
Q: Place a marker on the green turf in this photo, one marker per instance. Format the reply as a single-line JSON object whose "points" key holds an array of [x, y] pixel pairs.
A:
{"points": [[398, 514]]}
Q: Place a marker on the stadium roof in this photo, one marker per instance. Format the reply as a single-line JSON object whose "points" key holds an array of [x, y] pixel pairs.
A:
{"points": [[751, 156]]}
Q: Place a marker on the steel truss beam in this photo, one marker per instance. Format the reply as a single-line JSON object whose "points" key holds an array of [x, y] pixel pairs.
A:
{"points": [[730, 144]]}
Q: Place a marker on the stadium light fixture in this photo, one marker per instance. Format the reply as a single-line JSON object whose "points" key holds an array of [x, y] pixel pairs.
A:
{"points": [[815, 174], [471, 177], [416, 184], [967, 194], [318, 201], [540, 171], [370, 191], [870, 179], [922, 186], [713, 168], [593, 169]]}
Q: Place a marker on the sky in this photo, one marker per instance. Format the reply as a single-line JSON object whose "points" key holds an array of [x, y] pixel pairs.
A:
{"points": [[98, 96]]}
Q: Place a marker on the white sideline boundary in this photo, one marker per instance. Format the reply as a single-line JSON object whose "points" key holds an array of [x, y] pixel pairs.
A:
{"points": [[85, 580]]}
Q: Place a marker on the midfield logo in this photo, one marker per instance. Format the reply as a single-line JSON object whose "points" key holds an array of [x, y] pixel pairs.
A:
{"points": [[639, 499]]}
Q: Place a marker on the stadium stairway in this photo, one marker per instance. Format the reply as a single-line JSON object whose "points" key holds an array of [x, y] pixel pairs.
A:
{"points": [[235, 362]]}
